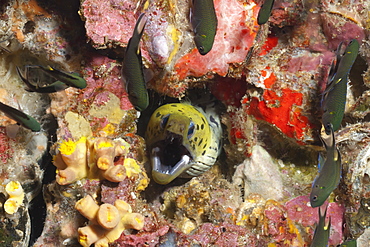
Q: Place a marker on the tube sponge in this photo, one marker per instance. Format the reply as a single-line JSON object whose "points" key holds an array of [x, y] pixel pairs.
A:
{"points": [[108, 216], [101, 155], [87, 207], [107, 222], [92, 158], [72, 155], [16, 196]]}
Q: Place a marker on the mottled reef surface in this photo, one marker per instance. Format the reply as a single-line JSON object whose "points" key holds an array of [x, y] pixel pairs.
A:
{"points": [[89, 166]]}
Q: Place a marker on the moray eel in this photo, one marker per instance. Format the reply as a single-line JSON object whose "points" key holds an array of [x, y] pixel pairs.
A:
{"points": [[204, 22], [322, 231], [329, 172], [334, 97], [183, 140]]}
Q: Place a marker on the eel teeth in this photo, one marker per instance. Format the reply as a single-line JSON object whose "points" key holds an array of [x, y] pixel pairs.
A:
{"points": [[166, 174]]}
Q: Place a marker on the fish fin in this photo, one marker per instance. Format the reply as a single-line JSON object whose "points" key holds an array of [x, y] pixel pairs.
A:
{"points": [[337, 155], [322, 214], [140, 25], [320, 162], [31, 87], [327, 224], [333, 70], [138, 32]]}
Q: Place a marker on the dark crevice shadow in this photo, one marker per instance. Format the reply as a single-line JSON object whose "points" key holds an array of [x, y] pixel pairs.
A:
{"points": [[37, 209]]}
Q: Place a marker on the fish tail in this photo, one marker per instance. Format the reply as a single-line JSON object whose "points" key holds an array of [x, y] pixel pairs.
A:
{"points": [[139, 29], [31, 87]]}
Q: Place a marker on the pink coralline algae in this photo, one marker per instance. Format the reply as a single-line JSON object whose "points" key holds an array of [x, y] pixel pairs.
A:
{"points": [[147, 237], [103, 75], [225, 235], [5, 149], [299, 210], [109, 21], [280, 228], [237, 29]]}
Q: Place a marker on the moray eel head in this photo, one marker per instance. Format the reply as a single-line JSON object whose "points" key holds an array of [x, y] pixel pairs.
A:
{"points": [[176, 136]]}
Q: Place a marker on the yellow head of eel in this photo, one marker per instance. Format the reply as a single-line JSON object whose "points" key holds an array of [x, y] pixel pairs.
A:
{"points": [[183, 140]]}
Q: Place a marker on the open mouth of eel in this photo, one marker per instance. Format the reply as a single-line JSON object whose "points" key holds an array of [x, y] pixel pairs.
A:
{"points": [[169, 159]]}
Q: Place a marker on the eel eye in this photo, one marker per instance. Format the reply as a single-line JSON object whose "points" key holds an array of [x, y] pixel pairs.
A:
{"points": [[191, 130], [164, 121], [314, 198]]}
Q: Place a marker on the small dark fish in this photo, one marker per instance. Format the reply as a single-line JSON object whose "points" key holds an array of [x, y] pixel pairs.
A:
{"points": [[20, 117], [322, 231], [344, 64], [334, 97], [52, 88], [204, 22], [329, 172], [265, 12], [70, 79], [349, 243], [132, 69]]}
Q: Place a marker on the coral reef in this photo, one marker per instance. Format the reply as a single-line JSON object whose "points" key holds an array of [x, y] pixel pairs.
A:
{"points": [[270, 79]]}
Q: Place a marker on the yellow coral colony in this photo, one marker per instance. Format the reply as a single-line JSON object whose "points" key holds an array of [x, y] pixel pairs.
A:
{"points": [[90, 157], [16, 196], [71, 161], [107, 222], [103, 153]]}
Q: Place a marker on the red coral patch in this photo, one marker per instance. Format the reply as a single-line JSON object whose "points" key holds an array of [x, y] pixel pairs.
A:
{"points": [[280, 109]]}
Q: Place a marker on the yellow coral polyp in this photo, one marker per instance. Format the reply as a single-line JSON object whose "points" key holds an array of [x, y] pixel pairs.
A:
{"points": [[108, 216], [11, 206], [109, 129], [68, 147], [82, 239], [131, 166], [144, 182], [61, 180], [16, 195], [139, 220], [105, 144], [103, 163], [13, 188]]}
